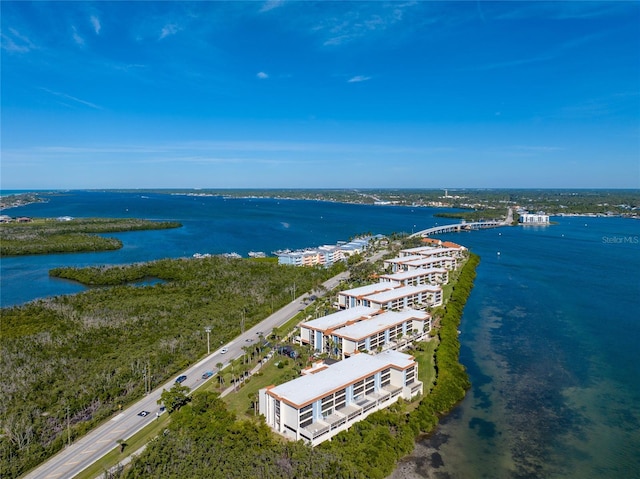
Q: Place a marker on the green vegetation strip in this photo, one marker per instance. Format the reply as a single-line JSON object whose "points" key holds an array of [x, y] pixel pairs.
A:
{"points": [[47, 235], [90, 352]]}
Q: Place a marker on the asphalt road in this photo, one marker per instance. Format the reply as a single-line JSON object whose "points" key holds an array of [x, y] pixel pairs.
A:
{"points": [[85, 451]]}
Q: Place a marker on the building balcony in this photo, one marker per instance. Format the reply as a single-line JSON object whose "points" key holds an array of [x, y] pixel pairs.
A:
{"points": [[393, 390], [342, 419], [416, 388]]}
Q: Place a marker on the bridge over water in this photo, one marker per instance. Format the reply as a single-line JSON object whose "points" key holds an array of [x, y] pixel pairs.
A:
{"points": [[476, 225]]}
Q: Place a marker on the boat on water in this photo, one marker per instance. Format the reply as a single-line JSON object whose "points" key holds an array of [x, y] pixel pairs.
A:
{"points": [[257, 254]]}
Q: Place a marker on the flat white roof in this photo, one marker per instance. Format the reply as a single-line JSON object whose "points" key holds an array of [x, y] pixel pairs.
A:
{"points": [[290, 254], [305, 389], [366, 290], [340, 318], [419, 262], [402, 292], [429, 250], [413, 273], [381, 322], [403, 259]]}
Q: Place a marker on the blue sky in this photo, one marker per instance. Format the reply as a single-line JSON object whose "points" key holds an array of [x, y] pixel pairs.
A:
{"points": [[283, 94]]}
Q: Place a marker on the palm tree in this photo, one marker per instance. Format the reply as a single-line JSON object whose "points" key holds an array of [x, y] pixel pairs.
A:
{"points": [[220, 377], [122, 443]]}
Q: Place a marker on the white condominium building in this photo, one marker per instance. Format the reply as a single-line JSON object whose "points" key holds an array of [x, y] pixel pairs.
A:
{"points": [[350, 298], [317, 406], [431, 252], [395, 263], [409, 263], [314, 332], [420, 296], [367, 330], [388, 330], [385, 295], [417, 276]]}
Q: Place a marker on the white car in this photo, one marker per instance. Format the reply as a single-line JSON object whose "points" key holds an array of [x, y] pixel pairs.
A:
{"points": [[224, 351]]}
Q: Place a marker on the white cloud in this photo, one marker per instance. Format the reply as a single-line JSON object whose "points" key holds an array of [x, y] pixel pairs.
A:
{"points": [[262, 75], [271, 4], [362, 20], [77, 38], [358, 79], [169, 29], [15, 42], [72, 98], [95, 21]]}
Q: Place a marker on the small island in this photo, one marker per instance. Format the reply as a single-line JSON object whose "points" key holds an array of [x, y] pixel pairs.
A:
{"points": [[29, 236]]}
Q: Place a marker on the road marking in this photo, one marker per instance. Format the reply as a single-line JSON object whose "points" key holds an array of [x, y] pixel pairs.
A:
{"points": [[103, 440], [71, 463], [118, 430], [54, 475], [116, 418]]}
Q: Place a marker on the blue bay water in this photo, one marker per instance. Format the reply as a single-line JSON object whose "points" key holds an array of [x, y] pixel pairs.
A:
{"points": [[211, 224], [550, 334], [550, 338]]}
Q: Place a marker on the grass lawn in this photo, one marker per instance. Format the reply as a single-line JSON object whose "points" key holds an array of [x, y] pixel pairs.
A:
{"points": [[240, 401], [426, 363]]}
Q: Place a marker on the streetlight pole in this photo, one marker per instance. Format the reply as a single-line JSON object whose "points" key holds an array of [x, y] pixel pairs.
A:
{"points": [[207, 330]]}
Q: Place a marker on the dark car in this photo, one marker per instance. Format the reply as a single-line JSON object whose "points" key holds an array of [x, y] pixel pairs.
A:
{"points": [[207, 375], [143, 413], [181, 379]]}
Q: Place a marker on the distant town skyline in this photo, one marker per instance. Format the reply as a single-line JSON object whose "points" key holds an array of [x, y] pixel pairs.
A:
{"points": [[296, 94]]}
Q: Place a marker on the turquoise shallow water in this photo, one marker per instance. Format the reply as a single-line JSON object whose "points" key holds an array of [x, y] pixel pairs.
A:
{"points": [[550, 335]]}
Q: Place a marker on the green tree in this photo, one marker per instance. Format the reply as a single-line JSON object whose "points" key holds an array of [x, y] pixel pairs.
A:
{"points": [[174, 398]]}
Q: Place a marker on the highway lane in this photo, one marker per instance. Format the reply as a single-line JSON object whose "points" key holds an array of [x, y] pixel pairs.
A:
{"points": [[90, 448]]}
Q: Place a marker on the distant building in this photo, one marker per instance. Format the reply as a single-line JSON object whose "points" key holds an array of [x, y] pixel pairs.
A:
{"points": [[325, 255], [534, 219], [317, 406]]}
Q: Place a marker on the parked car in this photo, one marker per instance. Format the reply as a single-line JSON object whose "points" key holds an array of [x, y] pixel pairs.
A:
{"points": [[181, 379], [207, 374]]}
